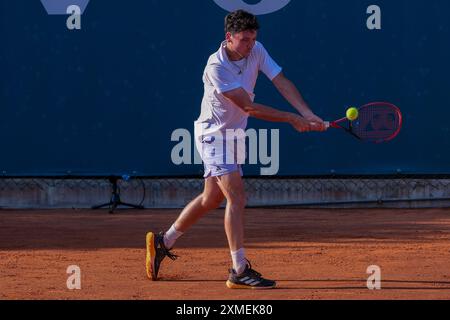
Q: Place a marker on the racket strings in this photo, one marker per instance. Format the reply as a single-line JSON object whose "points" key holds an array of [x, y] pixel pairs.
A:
{"points": [[377, 122]]}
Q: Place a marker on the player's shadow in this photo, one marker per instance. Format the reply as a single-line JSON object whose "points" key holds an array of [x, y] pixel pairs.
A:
{"points": [[333, 284], [385, 285]]}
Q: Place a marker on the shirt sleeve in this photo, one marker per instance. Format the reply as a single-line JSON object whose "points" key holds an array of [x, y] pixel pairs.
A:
{"points": [[221, 78], [266, 64]]}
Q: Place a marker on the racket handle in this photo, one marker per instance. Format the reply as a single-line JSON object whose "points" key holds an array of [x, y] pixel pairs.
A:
{"points": [[327, 124]]}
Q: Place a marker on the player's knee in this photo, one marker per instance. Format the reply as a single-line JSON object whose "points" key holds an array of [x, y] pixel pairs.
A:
{"points": [[238, 201], [211, 202]]}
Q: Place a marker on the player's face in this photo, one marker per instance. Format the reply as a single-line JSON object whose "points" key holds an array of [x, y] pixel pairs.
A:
{"points": [[242, 42]]}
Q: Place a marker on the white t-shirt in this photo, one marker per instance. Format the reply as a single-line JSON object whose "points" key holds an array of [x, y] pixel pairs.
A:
{"points": [[221, 75]]}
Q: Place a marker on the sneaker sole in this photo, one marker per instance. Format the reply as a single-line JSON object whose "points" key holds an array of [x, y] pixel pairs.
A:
{"points": [[232, 285], [150, 255]]}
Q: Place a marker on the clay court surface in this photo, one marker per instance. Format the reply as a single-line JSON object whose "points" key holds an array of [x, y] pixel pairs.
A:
{"points": [[312, 253]]}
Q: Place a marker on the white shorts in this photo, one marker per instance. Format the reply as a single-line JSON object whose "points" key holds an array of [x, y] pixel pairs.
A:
{"points": [[212, 170], [214, 156]]}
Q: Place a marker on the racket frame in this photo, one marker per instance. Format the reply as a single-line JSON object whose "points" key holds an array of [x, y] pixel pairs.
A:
{"points": [[336, 124]]}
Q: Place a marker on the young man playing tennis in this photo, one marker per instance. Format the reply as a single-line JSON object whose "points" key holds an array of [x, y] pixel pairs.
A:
{"points": [[229, 80]]}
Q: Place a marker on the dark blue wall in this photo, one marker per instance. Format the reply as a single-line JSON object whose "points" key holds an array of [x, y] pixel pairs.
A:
{"points": [[106, 98]]}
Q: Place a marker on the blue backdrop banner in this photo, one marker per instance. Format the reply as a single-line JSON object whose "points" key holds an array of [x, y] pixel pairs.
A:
{"points": [[104, 89]]}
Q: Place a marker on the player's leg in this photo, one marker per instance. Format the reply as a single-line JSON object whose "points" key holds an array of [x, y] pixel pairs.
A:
{"points": [[232, 187], [159, 245], [242, 276], [208, 200]]}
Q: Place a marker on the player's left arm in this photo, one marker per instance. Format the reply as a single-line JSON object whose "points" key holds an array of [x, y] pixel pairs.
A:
{"points": [[290, 92]]}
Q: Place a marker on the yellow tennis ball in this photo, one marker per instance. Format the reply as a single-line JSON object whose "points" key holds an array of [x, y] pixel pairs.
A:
{"points": [[352, 114]]}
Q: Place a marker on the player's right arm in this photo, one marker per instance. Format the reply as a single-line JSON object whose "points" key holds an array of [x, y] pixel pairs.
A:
{"points": [[241, 99]]}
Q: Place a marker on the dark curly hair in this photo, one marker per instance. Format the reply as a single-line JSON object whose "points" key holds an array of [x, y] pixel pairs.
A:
{"points": [[240, 20]]}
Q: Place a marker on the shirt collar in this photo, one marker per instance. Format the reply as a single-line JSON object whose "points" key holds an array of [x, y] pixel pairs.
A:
{"points": [[223, 56]]}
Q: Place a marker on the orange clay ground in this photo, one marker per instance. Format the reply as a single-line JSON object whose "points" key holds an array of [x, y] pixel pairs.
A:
{"points": [[312, 253]]}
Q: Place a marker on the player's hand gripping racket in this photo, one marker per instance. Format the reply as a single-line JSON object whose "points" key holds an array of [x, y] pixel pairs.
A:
{"points": [[377, 122]]}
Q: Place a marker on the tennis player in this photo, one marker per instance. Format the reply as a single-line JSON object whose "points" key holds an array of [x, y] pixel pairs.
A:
{"points": [[229, 79]]}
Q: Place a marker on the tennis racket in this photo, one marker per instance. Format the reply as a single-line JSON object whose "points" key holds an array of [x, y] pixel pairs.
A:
{"points": [[377, 122]]}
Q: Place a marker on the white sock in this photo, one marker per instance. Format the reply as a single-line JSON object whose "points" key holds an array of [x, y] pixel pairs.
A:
{"points": [[239, 261], [171, 236]]}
